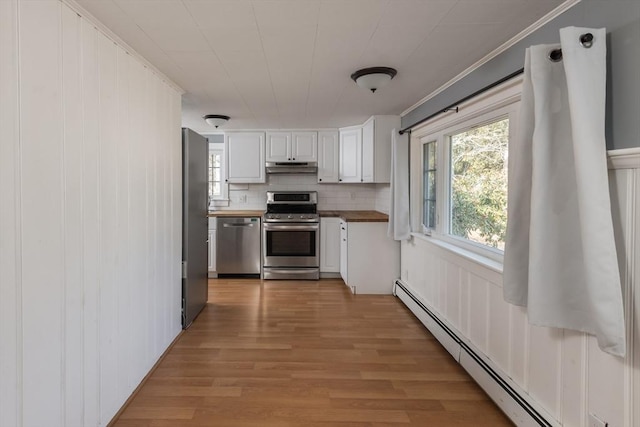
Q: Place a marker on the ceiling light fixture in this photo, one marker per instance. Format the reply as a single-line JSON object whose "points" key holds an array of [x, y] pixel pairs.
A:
{"points": [[373, 78], [216, 119]]}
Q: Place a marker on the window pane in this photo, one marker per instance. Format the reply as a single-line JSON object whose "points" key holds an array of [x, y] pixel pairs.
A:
{"points": [[479, 184], [429, 184], [216, 174], [216, 160], [431, 179], [216, 189], [431, 213], [432, 155]]}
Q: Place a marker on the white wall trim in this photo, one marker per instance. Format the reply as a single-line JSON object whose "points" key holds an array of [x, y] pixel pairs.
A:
{"points": [[624, 158], [515, 39], [480, 367], [117, 40]]}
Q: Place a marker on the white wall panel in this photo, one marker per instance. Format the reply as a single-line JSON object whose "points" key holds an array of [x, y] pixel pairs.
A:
{"points": [[123, 280], [545, 377], [41, 136], [90, 248], [574, 378], [498, 340], [478, 312], [90, 221], [72, 161], [108, 308], [452, 296], [564, 373], [518, 350], [10, 220]]}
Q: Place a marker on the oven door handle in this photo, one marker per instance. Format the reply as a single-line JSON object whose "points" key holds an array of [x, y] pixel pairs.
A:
{"points": [[291, 227]]}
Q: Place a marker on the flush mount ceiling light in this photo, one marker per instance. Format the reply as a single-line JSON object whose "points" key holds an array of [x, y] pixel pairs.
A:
{"points": [[373, 78], [216, 119]]}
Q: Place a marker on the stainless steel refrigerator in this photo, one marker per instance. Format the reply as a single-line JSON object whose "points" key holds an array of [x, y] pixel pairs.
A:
{"points": [[194, 225]]}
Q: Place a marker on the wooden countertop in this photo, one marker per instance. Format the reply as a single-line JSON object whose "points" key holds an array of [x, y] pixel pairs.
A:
{"points": [[349, 216], [357, 216], [234, 213]]}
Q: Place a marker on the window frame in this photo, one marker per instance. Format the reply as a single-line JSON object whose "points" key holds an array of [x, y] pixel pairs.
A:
{"points": [[499, 103]]}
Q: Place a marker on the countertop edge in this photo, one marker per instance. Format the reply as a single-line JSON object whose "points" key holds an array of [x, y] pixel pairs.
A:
{"points": [[346, 215]]}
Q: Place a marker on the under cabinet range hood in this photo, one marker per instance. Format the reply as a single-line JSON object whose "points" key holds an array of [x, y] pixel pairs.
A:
{"points": [[292, 167]]}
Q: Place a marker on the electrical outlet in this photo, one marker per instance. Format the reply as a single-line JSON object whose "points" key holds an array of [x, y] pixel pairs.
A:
{"points": [[242, 198], [596, 422], [353, 195]]}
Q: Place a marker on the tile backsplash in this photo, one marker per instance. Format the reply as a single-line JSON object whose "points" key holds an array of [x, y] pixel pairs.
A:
{"points": [[330, 196]]}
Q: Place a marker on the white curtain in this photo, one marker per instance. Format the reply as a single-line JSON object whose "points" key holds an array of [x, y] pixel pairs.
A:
{"points": [[399, 228], [560, 256]]}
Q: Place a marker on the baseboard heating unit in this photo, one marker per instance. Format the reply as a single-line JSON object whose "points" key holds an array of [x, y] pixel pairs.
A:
{"points": [[513, 401]]}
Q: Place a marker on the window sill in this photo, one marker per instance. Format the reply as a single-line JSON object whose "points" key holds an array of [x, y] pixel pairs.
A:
{"points": [[493, 265], [218, 203]]}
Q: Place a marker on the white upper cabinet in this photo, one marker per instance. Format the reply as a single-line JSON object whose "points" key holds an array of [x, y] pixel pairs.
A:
{"points": [[365, 151], [351, 155], [292, 147], [304, 146], [328, 156], [245, 154], [376, 148], [368, 133], [278, 146]]}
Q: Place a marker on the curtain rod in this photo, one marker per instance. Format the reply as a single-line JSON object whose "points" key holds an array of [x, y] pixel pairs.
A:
{"points": [[460, 101]]}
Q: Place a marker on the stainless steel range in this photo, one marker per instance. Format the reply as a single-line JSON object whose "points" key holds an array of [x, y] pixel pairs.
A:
{"points": [[291, 238]]}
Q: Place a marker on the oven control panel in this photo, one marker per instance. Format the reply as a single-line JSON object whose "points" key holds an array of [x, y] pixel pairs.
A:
{"points": [[290, 217]]}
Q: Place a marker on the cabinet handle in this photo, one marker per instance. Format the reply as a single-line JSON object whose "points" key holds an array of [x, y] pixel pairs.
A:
{"points": [[294, 158], [289, 158], [340, 180], [319, 179]]}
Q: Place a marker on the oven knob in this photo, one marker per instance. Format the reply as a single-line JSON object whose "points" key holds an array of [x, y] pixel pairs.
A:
{"points": [[277, 216], [290, 217], [302, 217]]}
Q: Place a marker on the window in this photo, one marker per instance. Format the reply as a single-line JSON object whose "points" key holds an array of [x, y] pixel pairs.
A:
{"points": [[460, 167], [429, 185], [215, 174], [217, 187], [478, 183]]}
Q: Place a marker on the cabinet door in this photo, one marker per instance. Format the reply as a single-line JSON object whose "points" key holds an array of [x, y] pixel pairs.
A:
{"points": [[344, 248], [329, 245], [278, 146], [368, 147], [245, 157], [351, 155], [304, 146], [328, 156], [212, 251]]}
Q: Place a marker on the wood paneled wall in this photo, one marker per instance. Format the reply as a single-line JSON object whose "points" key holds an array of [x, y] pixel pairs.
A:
{"points": [[90, 218], [563, 372]]}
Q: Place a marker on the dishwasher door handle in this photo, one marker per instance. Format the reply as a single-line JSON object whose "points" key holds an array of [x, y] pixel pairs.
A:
{"points": [[237, 225]]}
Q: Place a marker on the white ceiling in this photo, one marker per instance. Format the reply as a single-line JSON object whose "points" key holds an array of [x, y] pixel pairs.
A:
{"points": [[276, 64]]}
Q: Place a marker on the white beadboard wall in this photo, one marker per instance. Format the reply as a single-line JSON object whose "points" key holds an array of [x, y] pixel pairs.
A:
{"points": [[330, 196], [90, 218], [564, 372]]}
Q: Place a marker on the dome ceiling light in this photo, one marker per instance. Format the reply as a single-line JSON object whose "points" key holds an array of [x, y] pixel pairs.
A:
{"points": [[216, 120], [373, 78]]}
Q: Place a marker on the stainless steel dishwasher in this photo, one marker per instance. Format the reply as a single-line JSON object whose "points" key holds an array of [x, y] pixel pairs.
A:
{"points": [[238, 246]]}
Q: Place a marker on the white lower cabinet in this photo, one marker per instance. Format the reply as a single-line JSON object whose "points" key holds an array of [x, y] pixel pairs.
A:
{"points": [[344, 250], [369, 260], [211, 239], [329, 245]]}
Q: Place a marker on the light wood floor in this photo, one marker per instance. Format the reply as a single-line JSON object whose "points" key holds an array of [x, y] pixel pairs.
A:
{"points": [[281, 353]]}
